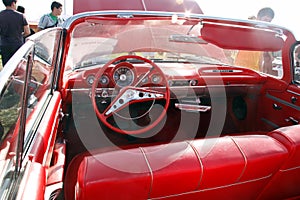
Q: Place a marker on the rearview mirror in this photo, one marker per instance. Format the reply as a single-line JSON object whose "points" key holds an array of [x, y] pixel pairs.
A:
{"points": [[187, 39]]}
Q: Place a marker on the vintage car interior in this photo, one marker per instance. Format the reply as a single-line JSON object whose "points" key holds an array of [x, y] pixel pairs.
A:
{"points": [[152, 105]]}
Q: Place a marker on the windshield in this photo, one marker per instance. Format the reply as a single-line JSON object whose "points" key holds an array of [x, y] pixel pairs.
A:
{"points": [[95, 42]]}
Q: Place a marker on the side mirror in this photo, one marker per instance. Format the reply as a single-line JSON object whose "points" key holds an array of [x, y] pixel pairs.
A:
{"points": [[296, 64]]}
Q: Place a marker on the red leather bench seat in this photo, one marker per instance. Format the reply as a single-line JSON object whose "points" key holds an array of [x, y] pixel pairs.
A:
{"points": [[236, 167], [286, 183]]}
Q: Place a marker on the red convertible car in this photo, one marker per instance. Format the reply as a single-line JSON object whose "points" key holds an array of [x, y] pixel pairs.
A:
{"points": [[136, 104]]}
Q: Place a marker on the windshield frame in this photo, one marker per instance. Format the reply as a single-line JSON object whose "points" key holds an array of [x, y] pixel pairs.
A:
{"points": [[123, 17]]}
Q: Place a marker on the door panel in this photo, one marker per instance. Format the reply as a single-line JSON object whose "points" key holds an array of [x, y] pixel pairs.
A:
{"points": [[280, 108]]}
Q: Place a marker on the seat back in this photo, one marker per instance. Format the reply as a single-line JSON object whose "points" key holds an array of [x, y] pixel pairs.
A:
{"points": [[286, 182], [237, 167]]}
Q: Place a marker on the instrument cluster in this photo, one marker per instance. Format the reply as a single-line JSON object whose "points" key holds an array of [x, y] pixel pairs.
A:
{"points": [[125, 74]]}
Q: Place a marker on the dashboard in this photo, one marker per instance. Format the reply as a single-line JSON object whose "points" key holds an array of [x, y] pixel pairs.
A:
{"points": [[182, 78]]}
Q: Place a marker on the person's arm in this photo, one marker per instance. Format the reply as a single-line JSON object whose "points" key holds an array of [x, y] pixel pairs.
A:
{"points": [[42, 23], [26, 31]]}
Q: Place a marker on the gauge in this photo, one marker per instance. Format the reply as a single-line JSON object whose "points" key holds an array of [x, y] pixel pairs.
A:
{"points": [[193, 82], [156, 79], [104, 80], [90, 79], [123, 76]]}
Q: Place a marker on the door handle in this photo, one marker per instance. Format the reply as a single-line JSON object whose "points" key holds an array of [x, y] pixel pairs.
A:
{"points": [[276, 107], [293, 120], [294, 100]]}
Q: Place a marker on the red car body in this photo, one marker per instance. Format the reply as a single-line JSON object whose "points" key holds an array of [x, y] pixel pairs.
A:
{"points": [[127, 103]]}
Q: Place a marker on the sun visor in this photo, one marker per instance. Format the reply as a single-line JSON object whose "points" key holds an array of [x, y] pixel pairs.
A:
{"points": [[243, 38]]}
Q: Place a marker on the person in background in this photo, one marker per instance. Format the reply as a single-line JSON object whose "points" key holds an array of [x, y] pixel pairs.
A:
{"points": [[255, 59], [21, 9], [265, 14], [51, 19], [13, 28]]}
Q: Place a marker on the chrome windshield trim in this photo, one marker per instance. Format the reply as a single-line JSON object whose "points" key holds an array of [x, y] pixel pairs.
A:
{"points": [[201, 17]]}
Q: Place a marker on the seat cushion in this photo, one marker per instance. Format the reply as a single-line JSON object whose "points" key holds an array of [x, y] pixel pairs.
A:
{"points": [[235, 166]]}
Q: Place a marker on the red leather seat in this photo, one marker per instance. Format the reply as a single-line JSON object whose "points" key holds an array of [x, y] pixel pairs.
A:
{"points": [[286, 182], [237, 167]]}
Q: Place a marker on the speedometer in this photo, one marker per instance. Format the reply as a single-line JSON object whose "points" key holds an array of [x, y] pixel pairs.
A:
{"points": [[156, 79], [123, 76]]}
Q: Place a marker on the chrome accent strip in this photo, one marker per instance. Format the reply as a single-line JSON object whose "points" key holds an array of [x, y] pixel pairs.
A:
{"points": [[144, 5], [202, 17], [283, 102], [192, 107], [173, 87], [12, 64], [290, 91], [222, 71]]}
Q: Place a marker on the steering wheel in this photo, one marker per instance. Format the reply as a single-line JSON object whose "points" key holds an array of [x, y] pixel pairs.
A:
{"points": [[130, 95]]}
